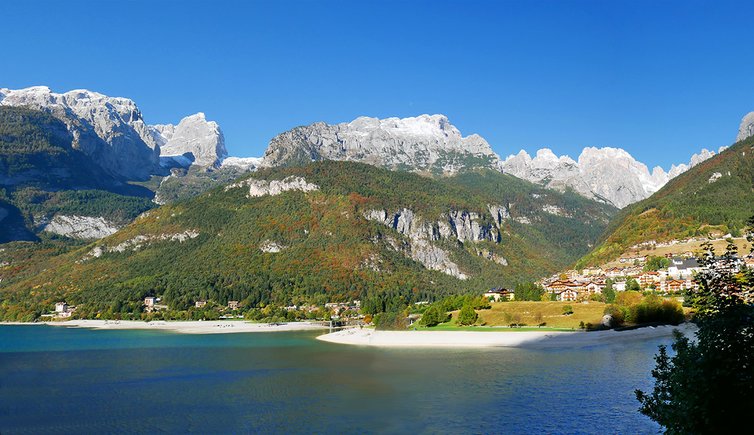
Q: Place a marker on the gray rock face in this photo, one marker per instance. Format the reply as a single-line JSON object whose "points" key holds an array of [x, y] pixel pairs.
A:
{"points": [[108, 129], [274, 187], [138, 242], [242, 163], [461, 226], [203, 139], [421, 143], [419, 235], [80, 227], [746, 129], [607, 174]]}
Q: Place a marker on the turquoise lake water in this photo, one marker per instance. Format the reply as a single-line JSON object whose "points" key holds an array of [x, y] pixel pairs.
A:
{"points": [[61, 380]]}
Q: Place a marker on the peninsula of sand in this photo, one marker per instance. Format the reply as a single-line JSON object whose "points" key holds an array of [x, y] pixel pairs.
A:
{"points": [[185, 327], [525, 339]]}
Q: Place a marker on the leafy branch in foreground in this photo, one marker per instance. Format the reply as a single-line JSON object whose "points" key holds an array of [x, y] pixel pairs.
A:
{"points": [[708, 385]]}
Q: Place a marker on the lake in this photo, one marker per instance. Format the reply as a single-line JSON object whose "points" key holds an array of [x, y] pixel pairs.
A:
{"points": [[85, 381]]}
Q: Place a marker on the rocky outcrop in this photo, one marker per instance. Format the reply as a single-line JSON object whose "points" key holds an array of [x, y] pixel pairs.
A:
{"points": [[242, 163], [139, 242], [110, 130], [607, 174], [80, 227], [419, 235], [419, 144], [195, 138], [469, 227], [746, 129], [456, 225], [271, 247], [274, 187]]}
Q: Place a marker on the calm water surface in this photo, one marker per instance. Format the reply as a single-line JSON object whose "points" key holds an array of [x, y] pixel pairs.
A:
{"points": [[84, 381]]}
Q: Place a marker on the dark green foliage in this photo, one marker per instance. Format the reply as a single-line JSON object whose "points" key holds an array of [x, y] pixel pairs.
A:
{"points": [[633, 308], [656, 263], [528, 291], [467, 315], [609, 292], [194, 182], [434, 315], [390, 321], [632, 285], [707, 386], [41, 175]]}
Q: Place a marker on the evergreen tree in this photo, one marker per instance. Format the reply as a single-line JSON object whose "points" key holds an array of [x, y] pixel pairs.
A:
{"points": [[708, 385], [467, 315]]}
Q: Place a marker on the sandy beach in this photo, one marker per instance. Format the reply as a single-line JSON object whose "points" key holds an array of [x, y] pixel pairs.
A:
{"points": [[524, 339], [184, 327]]}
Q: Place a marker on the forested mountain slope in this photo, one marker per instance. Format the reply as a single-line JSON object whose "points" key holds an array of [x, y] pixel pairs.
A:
{"points": [[714, 197], [326, 231], [47, 184]]}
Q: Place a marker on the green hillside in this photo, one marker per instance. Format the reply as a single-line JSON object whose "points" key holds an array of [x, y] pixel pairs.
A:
{"points": [[41, 174], [213, 246], [696, 203]]}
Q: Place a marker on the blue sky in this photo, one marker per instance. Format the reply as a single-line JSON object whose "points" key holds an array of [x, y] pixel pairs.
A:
{"points": [[661, 79]]}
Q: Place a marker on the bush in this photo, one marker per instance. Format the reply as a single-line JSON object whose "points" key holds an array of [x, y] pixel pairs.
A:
{"points": [[617, 313], [434, 315], [567, 310], [390, 321], [628, 298], [630, 307], [467, 316]]}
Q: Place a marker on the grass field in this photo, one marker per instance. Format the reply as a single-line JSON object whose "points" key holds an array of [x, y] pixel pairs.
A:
{"points": [[535, 313], [451, 326], [680, 248]]}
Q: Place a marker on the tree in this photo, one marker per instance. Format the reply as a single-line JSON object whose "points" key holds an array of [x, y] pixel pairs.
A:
{"points": [[708, 385], [655, 263], [434, 316], [609, 291], [528, 291], [632, 285], [567, 310], [467, 315], [390, 321]]}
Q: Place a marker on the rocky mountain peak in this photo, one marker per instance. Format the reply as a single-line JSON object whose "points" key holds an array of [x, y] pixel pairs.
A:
{"points": [[109, 129], [425, 142], [608, 174], [193, 135], [746, 129]]}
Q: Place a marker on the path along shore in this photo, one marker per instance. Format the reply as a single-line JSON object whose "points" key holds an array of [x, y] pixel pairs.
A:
{"points": [[524, 339], [185, 327]]}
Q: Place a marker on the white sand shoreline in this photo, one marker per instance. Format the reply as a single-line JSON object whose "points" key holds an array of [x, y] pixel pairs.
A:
{"points": [[523, 339], [183, 327]]}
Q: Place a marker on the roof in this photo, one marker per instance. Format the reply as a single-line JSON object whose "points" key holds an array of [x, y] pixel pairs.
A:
{"points": [[688, 263]]}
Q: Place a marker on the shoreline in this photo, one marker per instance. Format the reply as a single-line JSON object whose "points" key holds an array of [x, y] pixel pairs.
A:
{"points": [[482, 339], [180, 326]]}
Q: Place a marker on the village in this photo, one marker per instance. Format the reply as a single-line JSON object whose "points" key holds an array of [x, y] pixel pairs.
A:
{"points": [[667, 275]]}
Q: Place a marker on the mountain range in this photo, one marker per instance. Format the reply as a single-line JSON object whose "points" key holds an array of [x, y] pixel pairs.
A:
{"points": [[325, 231], [113, 132], [409, 207], [715, 197], [607, 174]]}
